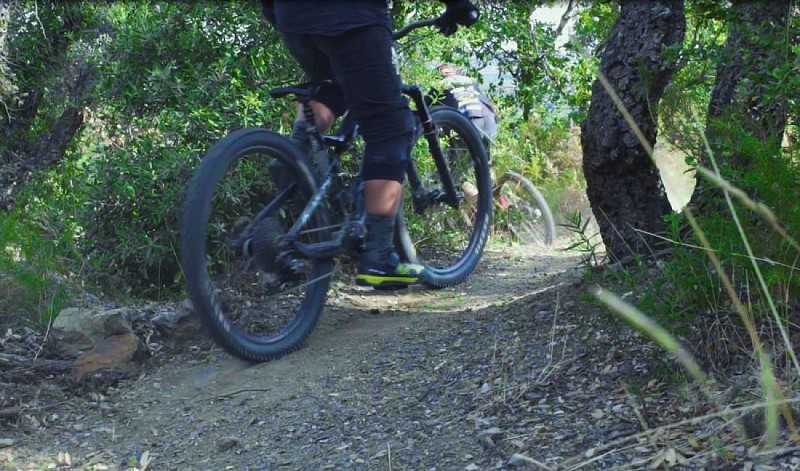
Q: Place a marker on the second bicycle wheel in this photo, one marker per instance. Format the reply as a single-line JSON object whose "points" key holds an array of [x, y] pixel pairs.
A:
{"points": [[521, 212], [449, 241], [257, 299]]}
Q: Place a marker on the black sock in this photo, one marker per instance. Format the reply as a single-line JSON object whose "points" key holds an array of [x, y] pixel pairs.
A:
{"points": [[380, 237]]}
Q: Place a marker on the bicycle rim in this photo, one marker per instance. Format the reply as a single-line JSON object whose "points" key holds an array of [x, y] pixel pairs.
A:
{"points": [[521, 212], [253, 306], [449, 241]]}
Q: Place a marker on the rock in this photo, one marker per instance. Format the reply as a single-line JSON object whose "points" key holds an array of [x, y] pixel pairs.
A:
{"points": [[6, 442], [117, 354], [78, 330], [227, 443], [491, 432], [518, 459], [180, 324]]}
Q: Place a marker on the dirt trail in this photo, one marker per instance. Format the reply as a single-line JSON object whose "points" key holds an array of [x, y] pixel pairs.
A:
{"points": [[507, 368]]}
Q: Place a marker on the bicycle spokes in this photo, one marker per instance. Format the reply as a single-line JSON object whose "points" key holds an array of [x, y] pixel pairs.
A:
{"points": [[443, 229], [259, 281], [522, 212]]}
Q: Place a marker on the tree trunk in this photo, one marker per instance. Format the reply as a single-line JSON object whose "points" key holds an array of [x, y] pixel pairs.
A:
{"points": [[6, 83], [743, 75], [24, 155], [623, 184], [744, 90]]}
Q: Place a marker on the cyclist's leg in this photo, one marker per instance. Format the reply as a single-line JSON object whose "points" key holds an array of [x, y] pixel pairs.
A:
{"points": [[329, 102], [327, 105], [362, 64]]}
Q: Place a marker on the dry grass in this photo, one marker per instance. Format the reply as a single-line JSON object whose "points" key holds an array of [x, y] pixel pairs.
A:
{"points": [[773, 394]]}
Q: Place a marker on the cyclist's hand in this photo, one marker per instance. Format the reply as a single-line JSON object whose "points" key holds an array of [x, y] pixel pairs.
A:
{"points": [[458, 12]]}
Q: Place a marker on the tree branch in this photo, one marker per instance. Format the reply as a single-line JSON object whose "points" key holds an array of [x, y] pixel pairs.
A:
{"points": [[565, 17]]}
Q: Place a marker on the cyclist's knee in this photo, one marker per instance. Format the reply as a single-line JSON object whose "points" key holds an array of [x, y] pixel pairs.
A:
{"points": [[386, 159]]}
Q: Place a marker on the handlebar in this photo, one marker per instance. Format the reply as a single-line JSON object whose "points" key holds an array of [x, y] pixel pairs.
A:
{"points": [[412, 26], [473, 15]]}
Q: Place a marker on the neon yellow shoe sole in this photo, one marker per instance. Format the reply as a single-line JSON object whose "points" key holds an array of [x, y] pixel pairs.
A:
{"points": [[404, 275]]}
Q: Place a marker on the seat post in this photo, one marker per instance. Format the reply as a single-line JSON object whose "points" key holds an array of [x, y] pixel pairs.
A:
{"points": [[319, 155]]}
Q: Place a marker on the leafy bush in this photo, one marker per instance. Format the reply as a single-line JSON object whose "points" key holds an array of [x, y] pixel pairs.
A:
{"points": [[749, 159], [174, 77], [548, 154], [35, 248]]}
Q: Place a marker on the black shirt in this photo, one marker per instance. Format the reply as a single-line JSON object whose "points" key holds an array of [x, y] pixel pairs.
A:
{"points": [[329, 17]]}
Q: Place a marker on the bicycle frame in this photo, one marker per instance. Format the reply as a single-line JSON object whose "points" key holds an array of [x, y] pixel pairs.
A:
{"points": [[336, 145]]}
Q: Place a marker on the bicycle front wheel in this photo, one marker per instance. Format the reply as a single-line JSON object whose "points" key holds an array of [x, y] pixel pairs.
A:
{"points": [[522, 212], [448, 240], [257, 300]]}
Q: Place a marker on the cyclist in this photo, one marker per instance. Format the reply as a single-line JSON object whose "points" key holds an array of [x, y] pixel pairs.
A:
{"points": [[462, 92], [350, 43], [465, 94]]}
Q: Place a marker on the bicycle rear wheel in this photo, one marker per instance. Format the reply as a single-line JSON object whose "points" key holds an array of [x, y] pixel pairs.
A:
{"points": [[257, 301], [522, 212], [448, 241]]}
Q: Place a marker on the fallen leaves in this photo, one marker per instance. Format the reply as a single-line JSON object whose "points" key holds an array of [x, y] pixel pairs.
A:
{"points": [[669, 457]]}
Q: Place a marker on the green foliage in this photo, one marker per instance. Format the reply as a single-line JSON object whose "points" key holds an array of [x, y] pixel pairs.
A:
{"points": [[169, 92], [38, 43], [549, 80], [547, 154], [689, 283], [686, 98], [582, 241], [174, 76], [35, 251], [748, 158], [536, 76]]}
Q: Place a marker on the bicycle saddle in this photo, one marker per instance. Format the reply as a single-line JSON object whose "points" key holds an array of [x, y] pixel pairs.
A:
{"points": [[297, 90], [303, 90]]}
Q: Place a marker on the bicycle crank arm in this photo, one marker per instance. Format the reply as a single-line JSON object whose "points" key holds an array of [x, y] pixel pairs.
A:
{"points": [[322, 250], [426, 199]]}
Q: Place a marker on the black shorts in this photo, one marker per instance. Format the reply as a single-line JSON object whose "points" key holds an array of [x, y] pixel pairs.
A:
{"points": [[360, 63]]}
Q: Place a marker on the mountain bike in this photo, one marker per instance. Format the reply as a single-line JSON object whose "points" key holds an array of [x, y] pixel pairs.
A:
{"points": [[258, 255], [521, 210]]}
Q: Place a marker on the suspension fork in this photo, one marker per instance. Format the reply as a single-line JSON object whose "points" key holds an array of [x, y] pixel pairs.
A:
{"points": [[432, 136]]}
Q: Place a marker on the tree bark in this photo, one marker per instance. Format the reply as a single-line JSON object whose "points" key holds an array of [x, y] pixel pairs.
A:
{"points": [[623, 184], [77, 76], [742, 88], [743, 74], [10, 361]]}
